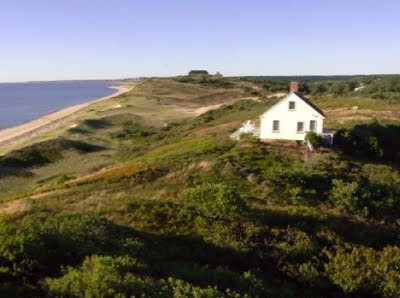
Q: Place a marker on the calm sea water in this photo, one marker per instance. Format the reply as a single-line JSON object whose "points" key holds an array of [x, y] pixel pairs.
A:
{"points": [[23, 102]]}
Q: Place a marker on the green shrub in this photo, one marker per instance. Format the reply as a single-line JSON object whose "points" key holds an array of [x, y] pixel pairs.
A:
{"points": [[181, 289], [380, 174], [366, 271], [21, 248], [347, 195], [135, 131], [295, 245], [314, 139], [365, 198], [102, 276], [212, 82], [296, 183], [268, 84], [185, 80], [229, 233], [306, 273], [214, 200], [225, 279], [373, 141], [40, 246]]}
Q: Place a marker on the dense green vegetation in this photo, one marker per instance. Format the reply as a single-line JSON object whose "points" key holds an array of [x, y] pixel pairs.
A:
{"points": [[373, 141], [207, 81], [377, 86], [187, 212]]}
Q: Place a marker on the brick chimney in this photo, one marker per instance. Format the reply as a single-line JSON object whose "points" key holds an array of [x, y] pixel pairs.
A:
{"points": [[294, 86]]}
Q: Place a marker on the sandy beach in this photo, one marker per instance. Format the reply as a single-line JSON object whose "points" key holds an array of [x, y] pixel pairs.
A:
{"points": [[43, 124]]}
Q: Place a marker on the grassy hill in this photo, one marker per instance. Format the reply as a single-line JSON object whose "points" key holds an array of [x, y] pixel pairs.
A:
{"points": [[146, 195]]}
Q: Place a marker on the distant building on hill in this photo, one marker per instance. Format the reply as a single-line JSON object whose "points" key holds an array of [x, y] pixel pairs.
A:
{"points": [[199, 73], [218, 75]]}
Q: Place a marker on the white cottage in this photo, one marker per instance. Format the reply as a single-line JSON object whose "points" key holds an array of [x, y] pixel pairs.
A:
{"points": [[291, 118]]}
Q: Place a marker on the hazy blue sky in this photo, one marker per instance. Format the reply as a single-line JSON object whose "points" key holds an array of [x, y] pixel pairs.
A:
{"points": [[90, 39]]}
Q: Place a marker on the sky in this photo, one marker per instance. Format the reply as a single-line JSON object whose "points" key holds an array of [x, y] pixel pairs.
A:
{"points": [[104, 39]]}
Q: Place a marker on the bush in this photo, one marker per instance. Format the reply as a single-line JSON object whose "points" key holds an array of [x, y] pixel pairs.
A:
{"points": [[79, 234], [21, 248], [185, 80], [314, 139], [297, 184], [181, 289], [366, 271], [105, 276], [374, 141], [136, 131], [212, 82], [346, 195], [40, 246], [102, 276], [214, 200], [366, 198], [246, 282]]}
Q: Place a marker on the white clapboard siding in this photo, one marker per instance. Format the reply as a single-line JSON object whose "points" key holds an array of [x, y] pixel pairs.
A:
{"points": [[304, 112]]}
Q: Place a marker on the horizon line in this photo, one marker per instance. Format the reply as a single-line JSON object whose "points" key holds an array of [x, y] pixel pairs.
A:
{"points": [[227, 76]]}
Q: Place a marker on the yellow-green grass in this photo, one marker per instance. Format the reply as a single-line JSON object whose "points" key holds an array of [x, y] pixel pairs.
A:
{"points": [[333, 102]]}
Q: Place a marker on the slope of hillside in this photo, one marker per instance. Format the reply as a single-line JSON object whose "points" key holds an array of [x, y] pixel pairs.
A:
{"points": [[154, 103], [141, 197]]}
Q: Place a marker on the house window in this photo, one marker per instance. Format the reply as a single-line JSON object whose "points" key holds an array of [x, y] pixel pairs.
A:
{"points": [[292, 105], [300, 127], [313, 125], [275, 126]]}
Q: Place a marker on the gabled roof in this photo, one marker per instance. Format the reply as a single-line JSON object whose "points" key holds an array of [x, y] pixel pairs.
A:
{"points": [[306, 100]]}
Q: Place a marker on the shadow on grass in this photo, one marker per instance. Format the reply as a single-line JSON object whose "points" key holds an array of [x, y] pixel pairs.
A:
{"points": [[356, 232], [66, 239], [77, 130], [96, 123], [198, 262], [18, 162]]}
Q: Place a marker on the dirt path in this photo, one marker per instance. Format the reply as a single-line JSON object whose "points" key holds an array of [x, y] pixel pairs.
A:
{"points": [[196, 111], [348, 114]]}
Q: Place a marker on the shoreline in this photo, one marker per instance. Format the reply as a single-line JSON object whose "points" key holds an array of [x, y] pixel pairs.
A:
{"points": [[42, 124]]}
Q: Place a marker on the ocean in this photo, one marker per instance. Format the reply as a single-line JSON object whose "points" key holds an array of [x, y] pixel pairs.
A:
{"points": [[23, 102]]}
